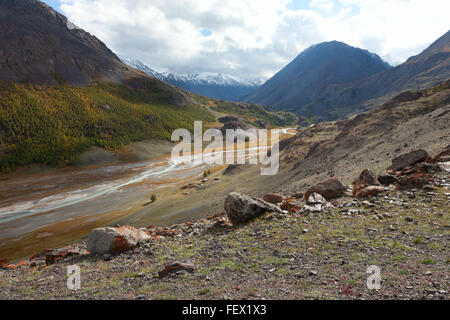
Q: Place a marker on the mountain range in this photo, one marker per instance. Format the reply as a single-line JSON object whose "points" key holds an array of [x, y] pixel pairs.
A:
{"points": [[332, 80], [213, 85]]}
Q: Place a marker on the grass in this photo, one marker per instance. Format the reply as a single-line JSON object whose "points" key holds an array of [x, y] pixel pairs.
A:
{"points": [[428, 261]]}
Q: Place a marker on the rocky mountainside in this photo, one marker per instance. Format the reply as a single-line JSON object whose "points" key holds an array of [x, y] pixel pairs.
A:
{"points": [[213, 85], [425, 70], [299, 86], [41, 46], [327, 100]]}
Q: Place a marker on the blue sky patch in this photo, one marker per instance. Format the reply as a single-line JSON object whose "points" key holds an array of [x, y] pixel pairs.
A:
{"points": [[206, 32], [54, 4]]}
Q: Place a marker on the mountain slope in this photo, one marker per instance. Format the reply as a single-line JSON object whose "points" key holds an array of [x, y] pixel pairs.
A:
{"points": [[213, 85], [41, 46], [315, 91], [300, 84], [425, 70]]}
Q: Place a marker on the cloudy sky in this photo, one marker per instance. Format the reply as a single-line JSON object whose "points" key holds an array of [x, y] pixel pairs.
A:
{"points": [[254, 39]]}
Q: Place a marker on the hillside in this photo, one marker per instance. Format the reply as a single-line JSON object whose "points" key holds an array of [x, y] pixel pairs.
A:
{"points": [[299, 86], [425, 70], [333, 100], [41, 46], [53, 125]]}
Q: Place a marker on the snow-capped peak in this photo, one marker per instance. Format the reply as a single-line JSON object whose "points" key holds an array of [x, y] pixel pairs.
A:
{"points": [[204, 78], [140, 66], [210, 78]]}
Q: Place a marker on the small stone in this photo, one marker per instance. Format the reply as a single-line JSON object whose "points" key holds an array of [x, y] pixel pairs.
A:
{"points": [[429, 188], [273, 198], [107, 257], [176, 267]]}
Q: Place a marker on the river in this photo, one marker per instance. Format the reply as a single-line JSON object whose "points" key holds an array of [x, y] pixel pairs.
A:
{"points": [[51, 209]]}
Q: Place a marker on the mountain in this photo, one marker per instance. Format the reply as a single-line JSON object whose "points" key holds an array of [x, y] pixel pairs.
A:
{"points": [[41, 46], [299, 86], [425, 70], [213, 85], [332, 80]]}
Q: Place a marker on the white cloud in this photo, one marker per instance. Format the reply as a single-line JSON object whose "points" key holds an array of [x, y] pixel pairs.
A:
{"points": [[322, 4], [255, 38]]}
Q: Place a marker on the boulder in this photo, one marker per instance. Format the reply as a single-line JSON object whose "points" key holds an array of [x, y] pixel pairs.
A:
{"points": [[241, 208], [387, 179], [316, 203], [4, 263], [368, 191], [273, 198], [177, 267], [330, 189], [290, 205], [421, 168], [51, 256], [365, 179], [415, 181], [21, 264], [115, 240], [444, 156], [299, 195], [368, 178], [316, 198], [409, 159]]}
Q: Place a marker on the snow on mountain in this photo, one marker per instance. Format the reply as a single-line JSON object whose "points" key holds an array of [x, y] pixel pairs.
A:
{"points": [[212, 79], [214, 85], [141, 67]]}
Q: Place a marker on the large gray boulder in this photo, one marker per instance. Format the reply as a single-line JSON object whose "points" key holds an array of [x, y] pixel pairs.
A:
{"points": [[115, 240], [408, 159], [241, 208]]}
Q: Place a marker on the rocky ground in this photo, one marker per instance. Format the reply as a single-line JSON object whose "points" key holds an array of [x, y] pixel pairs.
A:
{"points": [[314, 248]]}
